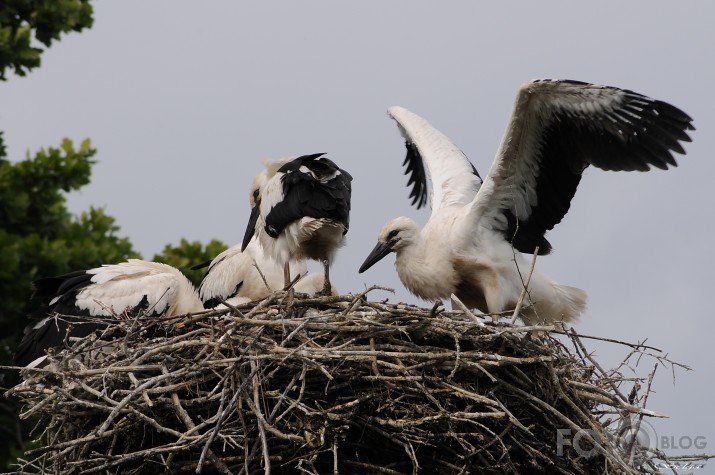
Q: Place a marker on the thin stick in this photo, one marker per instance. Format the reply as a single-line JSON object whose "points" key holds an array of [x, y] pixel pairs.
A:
{"points": [[261, 421], [466, 311], [263, 277], [189, 423], [526, 286]]}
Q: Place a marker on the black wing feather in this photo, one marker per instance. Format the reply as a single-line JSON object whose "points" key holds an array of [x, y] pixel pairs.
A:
{"points": [[202, 265], [641, 133], [306, 196], [65, 319], [51, 287], [415, 168], [51, 335], [215, 301]]}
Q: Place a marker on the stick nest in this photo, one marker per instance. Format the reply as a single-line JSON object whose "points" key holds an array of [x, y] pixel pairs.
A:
{"points": [[330, 385]]}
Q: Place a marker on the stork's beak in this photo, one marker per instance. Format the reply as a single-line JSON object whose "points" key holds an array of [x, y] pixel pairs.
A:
{"points": [[251, 228], [381, 250]]}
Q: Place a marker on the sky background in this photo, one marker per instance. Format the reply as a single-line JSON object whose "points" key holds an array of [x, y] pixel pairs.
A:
{"points": [[184, 102]]}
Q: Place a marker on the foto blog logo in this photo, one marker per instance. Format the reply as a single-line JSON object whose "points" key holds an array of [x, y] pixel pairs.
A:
{"points": [[629, 435]]}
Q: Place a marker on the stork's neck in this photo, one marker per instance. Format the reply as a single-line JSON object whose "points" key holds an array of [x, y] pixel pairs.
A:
{"points": [[424, 266]]}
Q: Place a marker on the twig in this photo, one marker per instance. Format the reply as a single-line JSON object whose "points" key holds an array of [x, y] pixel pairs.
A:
{"points": [[525, 287], [261, 420], [361, 296], [263, 277], [466, 311], [387, 388]]}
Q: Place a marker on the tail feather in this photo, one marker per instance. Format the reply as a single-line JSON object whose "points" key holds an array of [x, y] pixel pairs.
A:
{"points": [[561, 303]]}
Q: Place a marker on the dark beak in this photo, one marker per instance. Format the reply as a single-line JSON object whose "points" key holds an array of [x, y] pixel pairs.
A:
{"points": [[381, 250], [251, 228]]}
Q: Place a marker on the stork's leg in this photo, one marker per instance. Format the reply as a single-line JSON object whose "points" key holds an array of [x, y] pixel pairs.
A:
{"points": [[495, 302], [327, 290], [288, 286], [286, 275]]}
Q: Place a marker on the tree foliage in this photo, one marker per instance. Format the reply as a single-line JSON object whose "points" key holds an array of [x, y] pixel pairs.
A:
{"points": [[35, 227], [45, 20], [39, 238]]}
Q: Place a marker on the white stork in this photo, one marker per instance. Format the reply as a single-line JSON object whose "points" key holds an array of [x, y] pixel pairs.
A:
{"points": [[138, 287], [556, 130], [239, 275], [301, 209], [134, 287]]}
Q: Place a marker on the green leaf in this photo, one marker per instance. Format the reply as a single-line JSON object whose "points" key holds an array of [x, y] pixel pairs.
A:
{"points": [[46, 20]]}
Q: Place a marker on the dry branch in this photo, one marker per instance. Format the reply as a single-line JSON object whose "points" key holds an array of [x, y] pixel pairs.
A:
{"points": [[330, 385]]}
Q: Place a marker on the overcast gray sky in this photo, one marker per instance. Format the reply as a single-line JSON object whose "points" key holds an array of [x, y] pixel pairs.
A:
{"points": [[184, 102]]}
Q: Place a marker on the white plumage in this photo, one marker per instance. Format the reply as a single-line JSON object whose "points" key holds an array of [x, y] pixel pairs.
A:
{"points": [[234, 274], [138, 287], [301, 210], [470, 246], [150, 287], [134, 287]]}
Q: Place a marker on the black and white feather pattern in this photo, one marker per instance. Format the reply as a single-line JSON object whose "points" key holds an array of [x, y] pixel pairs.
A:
{"points": [[301, 208], [242, 276], [454, 179], [130, 288], [557, 129], [312, 186], [81, 302]]}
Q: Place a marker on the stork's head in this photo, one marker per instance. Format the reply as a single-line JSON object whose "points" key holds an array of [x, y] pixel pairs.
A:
{"points": [[395, 235], [254, 192], [254, 196]]}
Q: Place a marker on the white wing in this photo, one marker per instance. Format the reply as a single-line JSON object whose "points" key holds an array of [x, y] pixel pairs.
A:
{"points": [[225, 275], [141, 287], [136, 284], [556, 130], [233, 274], [455, 181]]}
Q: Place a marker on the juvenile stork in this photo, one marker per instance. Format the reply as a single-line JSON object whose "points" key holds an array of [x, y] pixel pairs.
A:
{"points": [[134, 287], [557, 129], [244, 276], [143, 288], [301, 210]]}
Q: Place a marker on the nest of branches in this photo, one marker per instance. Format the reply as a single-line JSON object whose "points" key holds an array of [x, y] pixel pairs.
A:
{"points": [[332, 385]]}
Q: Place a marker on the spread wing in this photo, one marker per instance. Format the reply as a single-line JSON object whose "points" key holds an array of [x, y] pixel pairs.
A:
{"points": [[557, 129], [455, 181]]}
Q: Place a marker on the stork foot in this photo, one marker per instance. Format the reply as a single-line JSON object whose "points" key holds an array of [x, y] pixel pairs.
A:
{"points": [[326, 290], [290, 284], [288, 302]]}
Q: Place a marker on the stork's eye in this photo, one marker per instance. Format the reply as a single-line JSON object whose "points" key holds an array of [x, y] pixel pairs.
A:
{"points": [[255, 194], [392, 234]]}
